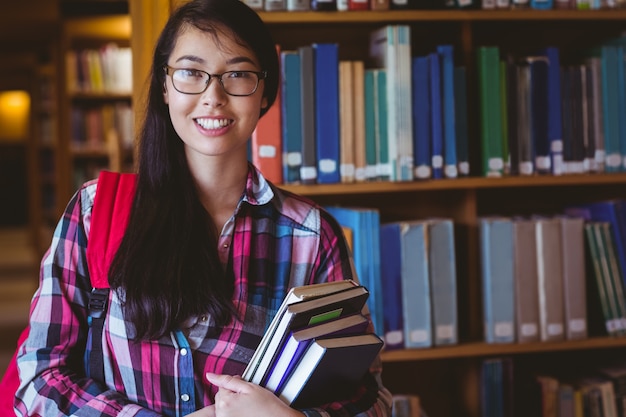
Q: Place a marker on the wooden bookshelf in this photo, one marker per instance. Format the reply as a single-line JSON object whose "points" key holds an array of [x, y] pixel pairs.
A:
{"points": [[91, 136], [447, 379]]}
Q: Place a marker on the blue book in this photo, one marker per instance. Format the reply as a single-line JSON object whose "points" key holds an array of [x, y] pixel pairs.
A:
{"points": [[366, 253], [442, 265], [461, 123], [383, 165], [308, 170], [610, 55], [371, 151], [421, 117], [450, 160], [541, 4], [555, 121], [436, 116], [496, 251], [416, 299], [539, 105], [292, 116], [326, 75], [391, 275]]}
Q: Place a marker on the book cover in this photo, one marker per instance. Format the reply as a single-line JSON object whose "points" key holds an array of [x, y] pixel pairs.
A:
{"points": [[496, 249], [488, 58], [267, 141], [298, 5], [436, 116], [555, 121], [526, 281], [326, 115], [550, 278], [298, 341], [416, 298], [442, 264], [270, 339], [391, 275], [421, 117], [371, 151], [360, 157], [291, 106], [538, 69], [450, 160], [346, 123], [461, 122], [574, 277], [308, 170], [330, 369]]}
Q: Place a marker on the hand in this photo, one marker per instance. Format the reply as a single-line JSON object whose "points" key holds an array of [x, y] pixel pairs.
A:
{"points": [[208, 411], [238, 398]]}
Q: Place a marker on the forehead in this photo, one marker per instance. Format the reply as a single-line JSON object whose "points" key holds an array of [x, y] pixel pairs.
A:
{"points": [[210, 46]]}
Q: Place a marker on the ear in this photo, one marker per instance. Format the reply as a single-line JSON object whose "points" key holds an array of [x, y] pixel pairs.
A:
{"points": [[264, 103], [165, 96]]}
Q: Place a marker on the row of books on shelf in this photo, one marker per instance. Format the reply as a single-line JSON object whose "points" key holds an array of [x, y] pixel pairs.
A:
{"points": [[538, 275], [539, 116], [378, 5], [400, 117], [107, 69], [98, 127], [591, 391]]}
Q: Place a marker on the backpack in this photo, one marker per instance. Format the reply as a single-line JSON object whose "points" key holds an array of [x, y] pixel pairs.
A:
{"points": [[109, 218]]}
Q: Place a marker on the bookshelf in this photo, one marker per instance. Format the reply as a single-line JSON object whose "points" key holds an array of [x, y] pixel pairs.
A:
{"points": [[95, 100], [45, 151], [447, 379]]}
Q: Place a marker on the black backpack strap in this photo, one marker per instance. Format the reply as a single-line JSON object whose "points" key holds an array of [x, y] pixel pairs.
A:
{"points": [[98, 303]]}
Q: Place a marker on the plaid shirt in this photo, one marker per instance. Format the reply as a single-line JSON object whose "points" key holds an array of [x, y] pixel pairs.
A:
{"points": [[278, 241]]}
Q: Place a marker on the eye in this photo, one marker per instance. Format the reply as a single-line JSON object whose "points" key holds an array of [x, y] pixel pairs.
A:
{"points": [[189, 74], [240, 74]]}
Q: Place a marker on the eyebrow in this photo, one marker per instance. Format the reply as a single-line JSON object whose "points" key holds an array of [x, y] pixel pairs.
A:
{"points": [[235, 60]]}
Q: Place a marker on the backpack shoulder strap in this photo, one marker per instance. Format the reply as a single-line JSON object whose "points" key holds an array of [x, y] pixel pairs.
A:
{"points": [[109, 218]]}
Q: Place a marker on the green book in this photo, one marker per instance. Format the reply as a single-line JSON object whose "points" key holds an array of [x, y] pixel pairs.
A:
{"points": [[488, 58]]}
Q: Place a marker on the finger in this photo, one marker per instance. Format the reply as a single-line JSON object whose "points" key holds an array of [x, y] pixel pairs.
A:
{"points": [[229, 382]]}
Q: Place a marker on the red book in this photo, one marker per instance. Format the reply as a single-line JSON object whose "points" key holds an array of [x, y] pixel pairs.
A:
{"points": [[267, 142]]}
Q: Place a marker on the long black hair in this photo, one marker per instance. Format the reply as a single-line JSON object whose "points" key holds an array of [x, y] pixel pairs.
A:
{"points": [[167, 267]]}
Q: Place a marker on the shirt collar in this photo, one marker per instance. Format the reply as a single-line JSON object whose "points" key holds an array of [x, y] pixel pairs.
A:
{"points": [[258, 190]]}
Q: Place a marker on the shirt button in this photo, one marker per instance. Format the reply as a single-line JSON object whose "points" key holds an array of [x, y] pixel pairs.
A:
{"points": [[185, 397], [204, 318], [225, 245], [183, 352]]}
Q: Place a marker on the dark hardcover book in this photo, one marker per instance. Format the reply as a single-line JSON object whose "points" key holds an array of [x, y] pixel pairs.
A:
{"points": [[308, 170], [421, 117], [270, 341], [461, 122], [299, 340], [538, 66], [331, 369]]}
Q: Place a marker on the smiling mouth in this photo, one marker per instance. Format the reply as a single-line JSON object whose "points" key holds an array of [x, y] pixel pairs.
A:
{"points": [[213, 123]]}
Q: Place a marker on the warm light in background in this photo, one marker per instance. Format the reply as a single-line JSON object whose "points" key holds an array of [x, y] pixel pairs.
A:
{"points": [[14, 115]]}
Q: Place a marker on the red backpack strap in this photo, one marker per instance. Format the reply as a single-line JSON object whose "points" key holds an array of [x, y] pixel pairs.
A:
{"points": [[109, 218]]}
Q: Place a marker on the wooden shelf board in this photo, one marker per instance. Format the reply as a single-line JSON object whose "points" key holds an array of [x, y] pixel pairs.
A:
{"points": [[365, 17], [478, 349], [458, 183]]}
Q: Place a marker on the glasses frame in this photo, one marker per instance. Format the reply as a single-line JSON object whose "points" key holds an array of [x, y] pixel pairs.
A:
{"points": [[261, 75]]}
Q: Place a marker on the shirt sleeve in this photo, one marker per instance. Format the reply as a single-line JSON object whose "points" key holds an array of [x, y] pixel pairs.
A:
{"points": [[51, 360], [371, 399]]}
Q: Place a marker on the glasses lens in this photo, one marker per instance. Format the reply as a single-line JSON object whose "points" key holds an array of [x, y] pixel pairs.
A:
{"points": [[240, 83], [190, 81]]}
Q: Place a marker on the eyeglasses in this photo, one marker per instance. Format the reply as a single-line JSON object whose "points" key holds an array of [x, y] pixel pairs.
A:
{"points": [[234, 83]]}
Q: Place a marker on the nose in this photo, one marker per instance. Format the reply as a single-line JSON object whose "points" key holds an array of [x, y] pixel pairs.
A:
{"points": [[214, 94]]}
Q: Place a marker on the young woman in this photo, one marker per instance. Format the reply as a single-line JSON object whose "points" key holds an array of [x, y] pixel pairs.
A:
{"points": [[210, 251]]}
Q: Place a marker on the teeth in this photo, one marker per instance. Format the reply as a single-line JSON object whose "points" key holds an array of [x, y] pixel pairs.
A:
{"points": [[212, 123]]}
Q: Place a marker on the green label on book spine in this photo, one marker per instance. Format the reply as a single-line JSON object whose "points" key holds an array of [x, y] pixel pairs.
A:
{"points": [[327, 315]]}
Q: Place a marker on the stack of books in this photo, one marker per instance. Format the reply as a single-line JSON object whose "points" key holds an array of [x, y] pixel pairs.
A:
{"points": [[317, 348]]}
